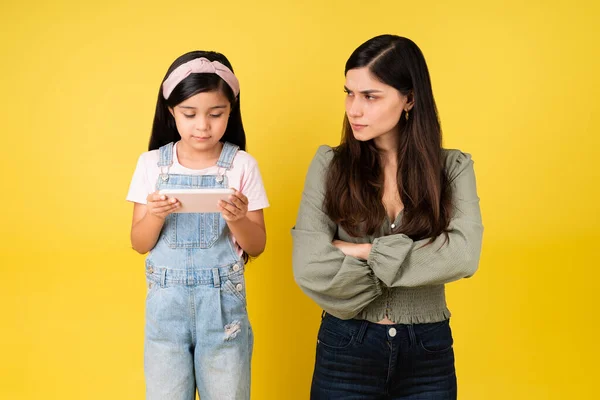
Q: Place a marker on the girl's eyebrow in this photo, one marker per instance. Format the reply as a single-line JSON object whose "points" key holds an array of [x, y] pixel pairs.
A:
{"points": [[211, 108]]}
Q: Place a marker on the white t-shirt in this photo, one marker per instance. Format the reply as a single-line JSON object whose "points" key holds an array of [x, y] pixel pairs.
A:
{"points": [[243, 175]]}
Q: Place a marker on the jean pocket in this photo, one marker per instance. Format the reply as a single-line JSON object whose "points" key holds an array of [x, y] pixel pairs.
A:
{"points": [[435, 338], [153, 288], [334, 337], [192, 230], [237, 288]]}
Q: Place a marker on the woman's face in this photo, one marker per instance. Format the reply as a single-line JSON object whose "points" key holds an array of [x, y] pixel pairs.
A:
{"points": [[372, 107]]}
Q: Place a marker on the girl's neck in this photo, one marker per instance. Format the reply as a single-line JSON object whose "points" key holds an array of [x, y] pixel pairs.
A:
{"points": [[198, 159]]}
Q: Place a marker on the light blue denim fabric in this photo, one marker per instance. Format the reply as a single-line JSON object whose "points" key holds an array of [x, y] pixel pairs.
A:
{"points": [[197, 335]]}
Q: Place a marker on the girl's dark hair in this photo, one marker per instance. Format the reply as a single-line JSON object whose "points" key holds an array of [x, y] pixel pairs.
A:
{"points": [[164, 129], [354, 188]]}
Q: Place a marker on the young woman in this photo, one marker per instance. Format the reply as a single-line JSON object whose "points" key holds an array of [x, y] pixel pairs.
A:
{"points": [[386, 219]]}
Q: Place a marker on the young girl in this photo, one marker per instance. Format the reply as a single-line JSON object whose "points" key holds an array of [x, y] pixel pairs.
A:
{"points": [[197, 330], [386, 219]]}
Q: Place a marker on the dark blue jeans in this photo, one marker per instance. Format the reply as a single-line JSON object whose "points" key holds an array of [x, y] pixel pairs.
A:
{"points": [[362, 360]]}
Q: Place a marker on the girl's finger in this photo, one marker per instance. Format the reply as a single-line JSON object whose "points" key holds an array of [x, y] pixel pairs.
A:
{"points": [[158, 197], [240, 196], [238, 203], [153, 202], [229, 207], [226, 213], [165, 205], [166, 208]]}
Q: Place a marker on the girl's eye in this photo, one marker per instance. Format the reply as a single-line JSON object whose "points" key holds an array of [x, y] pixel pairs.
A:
{"points": [[216, 115], [189, 115]]}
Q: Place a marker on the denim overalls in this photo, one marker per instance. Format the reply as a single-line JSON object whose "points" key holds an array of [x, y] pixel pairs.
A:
{"points": [[197, 329]]}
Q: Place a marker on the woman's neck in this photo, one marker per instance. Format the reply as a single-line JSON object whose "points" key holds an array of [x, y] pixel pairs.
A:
{"points": [[387, 145]]}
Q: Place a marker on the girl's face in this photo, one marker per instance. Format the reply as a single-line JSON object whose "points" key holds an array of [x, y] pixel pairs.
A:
{"points": [[373, 108], [202, 119]]}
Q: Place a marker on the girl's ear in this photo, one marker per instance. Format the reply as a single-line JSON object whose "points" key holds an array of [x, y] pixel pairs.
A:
{"points": [[171, 111]]}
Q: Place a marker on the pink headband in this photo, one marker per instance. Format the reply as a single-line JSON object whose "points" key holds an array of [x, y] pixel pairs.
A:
{"points": [[200, 66]]}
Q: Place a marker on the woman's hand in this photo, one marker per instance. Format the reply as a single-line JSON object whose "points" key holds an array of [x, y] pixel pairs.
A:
{"points": [[356, 250]]}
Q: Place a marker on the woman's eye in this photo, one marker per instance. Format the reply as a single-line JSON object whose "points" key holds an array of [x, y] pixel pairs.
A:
{"points": [[189, 115]]}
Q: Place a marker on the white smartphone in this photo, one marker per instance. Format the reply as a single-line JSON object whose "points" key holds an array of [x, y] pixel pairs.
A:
{"points": [[198, 200]]}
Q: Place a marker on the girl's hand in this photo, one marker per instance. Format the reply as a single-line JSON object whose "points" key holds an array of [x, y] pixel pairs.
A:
{"points": [[160, 206], [236, 209], [356, 250]]}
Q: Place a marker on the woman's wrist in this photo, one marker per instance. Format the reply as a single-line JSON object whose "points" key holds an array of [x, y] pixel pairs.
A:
{"points": [[364, 250]]}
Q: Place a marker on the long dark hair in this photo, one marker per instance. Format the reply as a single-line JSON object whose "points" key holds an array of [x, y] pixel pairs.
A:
{"points": [[354, 189], [164, 129]]}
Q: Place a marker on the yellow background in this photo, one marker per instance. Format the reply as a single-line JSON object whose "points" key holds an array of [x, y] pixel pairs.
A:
{"points": [[516, 85]]}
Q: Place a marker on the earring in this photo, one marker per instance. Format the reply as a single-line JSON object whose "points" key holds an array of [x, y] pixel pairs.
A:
{"points": [[406, 114]]}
